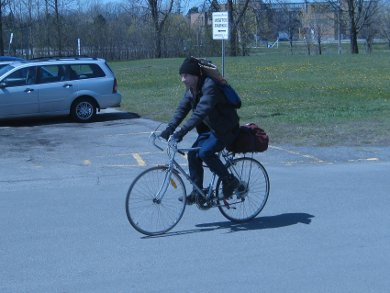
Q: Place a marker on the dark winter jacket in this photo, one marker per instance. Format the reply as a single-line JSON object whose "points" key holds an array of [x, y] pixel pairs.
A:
{"points": [[209, 109]]}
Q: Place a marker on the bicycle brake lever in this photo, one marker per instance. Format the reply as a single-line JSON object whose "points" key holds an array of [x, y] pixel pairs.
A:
{"points": [[172, 142]]}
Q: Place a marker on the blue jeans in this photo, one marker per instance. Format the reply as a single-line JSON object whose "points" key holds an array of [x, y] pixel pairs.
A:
{"points": [[209, 145]]}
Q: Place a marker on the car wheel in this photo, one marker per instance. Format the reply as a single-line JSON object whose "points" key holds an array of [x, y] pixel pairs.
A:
{"points": [[83, 110]]}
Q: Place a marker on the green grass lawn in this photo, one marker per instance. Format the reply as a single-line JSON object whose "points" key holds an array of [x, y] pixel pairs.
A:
{"points": [[298, 99]]}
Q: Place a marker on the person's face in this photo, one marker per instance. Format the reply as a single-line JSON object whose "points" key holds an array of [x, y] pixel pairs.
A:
{"points": [[189, 80]]}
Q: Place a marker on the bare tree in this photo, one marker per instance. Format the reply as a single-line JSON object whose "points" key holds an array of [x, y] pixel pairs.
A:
{"points": [[58, 25], [176, 36], [385, 22], [369, 30], [317, 19], [360, 13], [21, 23], [247, 29], [47, 27], [236, 13], [3, 4], [266, 26], [160, 11]]}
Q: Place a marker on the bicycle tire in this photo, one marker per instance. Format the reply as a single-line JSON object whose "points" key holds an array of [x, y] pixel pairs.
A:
{"points": [[242, 208], [143, 212]]}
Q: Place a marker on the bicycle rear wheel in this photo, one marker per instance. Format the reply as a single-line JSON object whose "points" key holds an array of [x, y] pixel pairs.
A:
{"points": [[148, 214], [246, 205]]}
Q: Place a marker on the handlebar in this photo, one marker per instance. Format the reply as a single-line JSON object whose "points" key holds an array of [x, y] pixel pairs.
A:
{"points": [[153, 136], [171, 144]]}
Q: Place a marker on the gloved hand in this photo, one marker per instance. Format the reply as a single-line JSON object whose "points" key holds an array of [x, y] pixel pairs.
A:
{"points": [[178, 135], [165, 134]]}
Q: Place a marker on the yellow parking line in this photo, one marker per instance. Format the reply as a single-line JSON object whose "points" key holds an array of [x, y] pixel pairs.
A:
{"points": [[139, 159]]}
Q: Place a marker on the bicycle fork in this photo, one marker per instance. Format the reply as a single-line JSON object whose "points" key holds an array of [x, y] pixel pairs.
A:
{"points": [[167, 180]]}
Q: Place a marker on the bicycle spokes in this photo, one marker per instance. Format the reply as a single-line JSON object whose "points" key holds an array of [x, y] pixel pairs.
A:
{"points": [[250, 198], [152, 202]]}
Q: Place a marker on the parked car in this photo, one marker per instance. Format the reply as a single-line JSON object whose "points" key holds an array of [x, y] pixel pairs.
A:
{"points": [[5, 60], [78, 87]]}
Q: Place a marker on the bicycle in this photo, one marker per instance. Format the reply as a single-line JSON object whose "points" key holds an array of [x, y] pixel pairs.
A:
{"points": [[153, 204]]}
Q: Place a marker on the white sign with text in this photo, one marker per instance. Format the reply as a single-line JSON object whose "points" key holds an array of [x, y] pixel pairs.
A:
{"points": [[220, 26]]}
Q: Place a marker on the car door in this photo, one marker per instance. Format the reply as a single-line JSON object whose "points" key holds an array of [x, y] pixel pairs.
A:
{"points": [[19, 93], [55, 89]]}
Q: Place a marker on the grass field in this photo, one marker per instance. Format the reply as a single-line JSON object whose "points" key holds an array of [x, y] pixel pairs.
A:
{"points": [[298, 99]]}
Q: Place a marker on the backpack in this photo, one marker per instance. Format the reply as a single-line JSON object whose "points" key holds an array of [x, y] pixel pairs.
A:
{"points": [[210, 70], [251, 138]]}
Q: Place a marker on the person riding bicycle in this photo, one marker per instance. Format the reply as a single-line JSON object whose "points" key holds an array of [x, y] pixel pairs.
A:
{"points": [[215, 120]]}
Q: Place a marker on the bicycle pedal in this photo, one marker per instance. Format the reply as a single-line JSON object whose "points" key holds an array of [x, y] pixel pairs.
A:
{"points": [[241, 188]]}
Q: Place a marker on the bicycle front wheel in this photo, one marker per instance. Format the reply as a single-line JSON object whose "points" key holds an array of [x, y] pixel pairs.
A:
{"points": [[150, 211], [249, 202]]}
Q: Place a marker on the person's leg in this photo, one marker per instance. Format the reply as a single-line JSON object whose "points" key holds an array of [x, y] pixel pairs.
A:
{"points": [[195, 163], [207, 153], [195, 168], [209, 147]]}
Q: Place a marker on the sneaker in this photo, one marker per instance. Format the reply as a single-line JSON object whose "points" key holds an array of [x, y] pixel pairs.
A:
{"points": [[191, 198], [229, 185]]}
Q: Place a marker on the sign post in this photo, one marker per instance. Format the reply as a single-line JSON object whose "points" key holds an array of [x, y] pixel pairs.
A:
{"points": [[10, 42], [78, 46], [221, 32]]}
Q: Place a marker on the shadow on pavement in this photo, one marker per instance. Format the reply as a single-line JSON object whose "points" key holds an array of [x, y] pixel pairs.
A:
{"points": [[115, 116], [271, 222], [101, 117]]}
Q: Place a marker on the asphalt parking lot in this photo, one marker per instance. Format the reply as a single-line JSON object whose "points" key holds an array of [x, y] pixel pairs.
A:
{"points": [[36, 149], [64, 229]]}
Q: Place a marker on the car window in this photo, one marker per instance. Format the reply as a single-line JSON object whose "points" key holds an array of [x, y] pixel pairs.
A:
{"points": [[82, 71], [108, 66], [23, 76], [5, 69], [52, 73]]}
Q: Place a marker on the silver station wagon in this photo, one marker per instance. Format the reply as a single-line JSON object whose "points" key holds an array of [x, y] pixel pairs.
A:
{"points": [[78, 87]]}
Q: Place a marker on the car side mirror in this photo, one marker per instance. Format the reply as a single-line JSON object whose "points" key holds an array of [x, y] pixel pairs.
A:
{"points": [[3, 84]]}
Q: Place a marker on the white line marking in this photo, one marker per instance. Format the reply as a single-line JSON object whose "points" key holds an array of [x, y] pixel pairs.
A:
{"points": [[318, 160], [129, 133], [121, 166], [368, 159], [126, 154]]}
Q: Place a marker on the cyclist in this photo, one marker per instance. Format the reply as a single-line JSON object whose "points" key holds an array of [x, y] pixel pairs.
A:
{"points": [[215, 120]]}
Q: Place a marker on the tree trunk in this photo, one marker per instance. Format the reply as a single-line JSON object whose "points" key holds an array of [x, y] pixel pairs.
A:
{"points": [[319, 40], [233, 42], [353, 37], [232, 29], [353, 27], [369, 42], [159, 24], [58, 27], [158, 44], [234, 23], [47, 25]]}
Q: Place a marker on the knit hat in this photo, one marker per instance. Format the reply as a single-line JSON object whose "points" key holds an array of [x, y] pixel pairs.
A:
{"points": [[190, 66]]}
